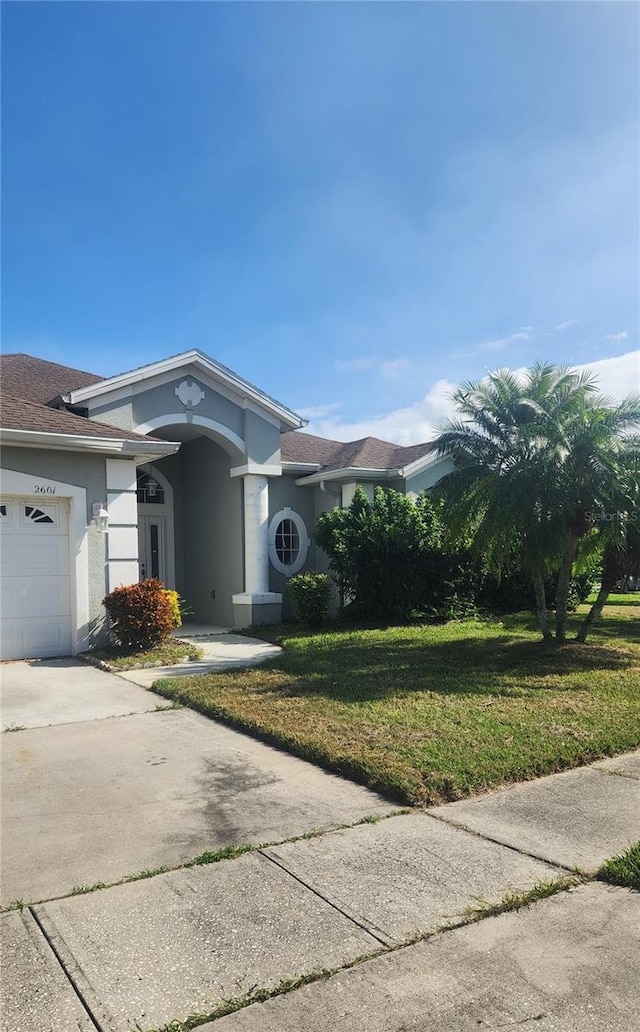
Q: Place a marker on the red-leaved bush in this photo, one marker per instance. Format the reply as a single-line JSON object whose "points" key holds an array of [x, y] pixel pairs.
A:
{"points": [[141, 614]]}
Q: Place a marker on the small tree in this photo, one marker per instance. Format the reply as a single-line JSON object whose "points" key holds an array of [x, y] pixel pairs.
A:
{"points": [[388, 557]]}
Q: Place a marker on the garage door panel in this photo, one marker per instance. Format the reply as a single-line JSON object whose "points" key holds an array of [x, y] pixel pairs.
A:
{"points": [[49, 515], [22, 553], [31, 639], [42, 596], [35, 588]]}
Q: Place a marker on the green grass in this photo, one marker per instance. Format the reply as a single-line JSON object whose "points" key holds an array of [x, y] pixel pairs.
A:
{"points": [[167, 653], [517, 900], [617, 598], [617, 602], [623, 869], [433, 713]]}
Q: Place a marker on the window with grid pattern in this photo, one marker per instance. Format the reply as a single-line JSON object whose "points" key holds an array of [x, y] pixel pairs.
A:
{"points": [[287, 542]]}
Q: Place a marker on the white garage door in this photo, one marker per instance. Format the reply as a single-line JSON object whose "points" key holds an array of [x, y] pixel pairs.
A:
{"points": [[35, 613]]}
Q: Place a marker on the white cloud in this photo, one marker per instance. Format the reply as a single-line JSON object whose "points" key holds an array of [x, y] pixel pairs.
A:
{"points": [[616, 377], [618, 336], [354, 365], [565, 325], [389, 369], [319, 411], [394, 367], [503, 342], [410, 425]]}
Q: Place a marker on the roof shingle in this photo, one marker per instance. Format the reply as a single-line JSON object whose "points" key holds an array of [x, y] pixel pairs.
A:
{"points": [[367, 453], [37, 380], [19, 414]]}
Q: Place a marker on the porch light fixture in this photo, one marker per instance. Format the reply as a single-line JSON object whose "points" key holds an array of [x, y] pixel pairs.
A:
{"points": [[152, 488], [100, 517]]}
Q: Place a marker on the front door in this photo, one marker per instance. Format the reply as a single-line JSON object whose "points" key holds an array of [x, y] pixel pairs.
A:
{"points": [[152, 547]]}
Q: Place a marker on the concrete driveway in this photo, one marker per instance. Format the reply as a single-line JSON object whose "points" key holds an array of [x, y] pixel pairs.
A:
{"points": [[101, 797], [118, 782], [42, 692]]}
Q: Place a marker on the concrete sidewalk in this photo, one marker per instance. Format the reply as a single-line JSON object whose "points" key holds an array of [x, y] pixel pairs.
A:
{"points": [[222, 651], [568, 964], [181, 944], [576, 819]]}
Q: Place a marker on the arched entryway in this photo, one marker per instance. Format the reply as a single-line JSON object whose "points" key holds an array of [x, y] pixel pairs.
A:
{"points": [[190, 520], [156, 534]]}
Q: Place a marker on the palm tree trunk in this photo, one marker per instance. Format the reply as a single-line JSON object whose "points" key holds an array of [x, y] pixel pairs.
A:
{"points": [[610, 574], [564, 582], [541, 604]]}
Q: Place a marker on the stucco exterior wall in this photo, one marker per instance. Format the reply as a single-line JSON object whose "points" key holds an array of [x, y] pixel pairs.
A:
{"points": [[213, 532], [429, 477], [325, 501], [84, 471], [159, 401], [262, 440], [283, 493], [116, 413], [162, 399]]}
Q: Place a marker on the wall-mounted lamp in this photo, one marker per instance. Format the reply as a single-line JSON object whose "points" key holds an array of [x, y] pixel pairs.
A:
{"points": [[100, 517], [152, 488]]}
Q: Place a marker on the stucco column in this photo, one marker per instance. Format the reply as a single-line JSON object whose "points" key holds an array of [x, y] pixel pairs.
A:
{"points": [[256, 604], [256, 534]]}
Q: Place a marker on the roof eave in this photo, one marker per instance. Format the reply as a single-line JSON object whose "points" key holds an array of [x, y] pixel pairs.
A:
{"points": [[349, 473], [300, 467], [141, 450], [418, 465], [289, 419]]}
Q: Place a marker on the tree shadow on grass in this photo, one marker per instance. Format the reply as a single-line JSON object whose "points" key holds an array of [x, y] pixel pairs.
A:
{"points": [[614, 628], [497, 666]]}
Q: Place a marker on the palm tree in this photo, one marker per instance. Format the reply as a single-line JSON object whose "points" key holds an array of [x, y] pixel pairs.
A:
{"points": [[508, 444], [619, 531], [536, 457], [597, 455]]}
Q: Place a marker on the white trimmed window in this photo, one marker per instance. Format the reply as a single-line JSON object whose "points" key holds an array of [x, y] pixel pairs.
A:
{"points": [[288, 542]]}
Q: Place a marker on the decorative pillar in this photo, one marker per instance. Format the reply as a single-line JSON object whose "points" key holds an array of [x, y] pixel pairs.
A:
{"points": [[256, 604], [256, 534]]}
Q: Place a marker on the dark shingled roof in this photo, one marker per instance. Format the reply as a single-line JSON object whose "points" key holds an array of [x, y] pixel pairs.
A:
{"points": [[30, 386], [19, 414], [299, 447], [367, 453], [37, 380], [28, 383]]}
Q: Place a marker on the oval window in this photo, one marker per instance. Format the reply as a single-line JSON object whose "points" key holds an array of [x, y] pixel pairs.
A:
{"points": [[288, 542]]}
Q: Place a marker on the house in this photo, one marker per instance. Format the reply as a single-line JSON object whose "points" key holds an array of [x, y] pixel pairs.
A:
{"points": [[179, 470]]}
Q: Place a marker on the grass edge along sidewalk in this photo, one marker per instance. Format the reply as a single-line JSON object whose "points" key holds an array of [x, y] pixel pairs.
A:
{"points": [[427, 714]]}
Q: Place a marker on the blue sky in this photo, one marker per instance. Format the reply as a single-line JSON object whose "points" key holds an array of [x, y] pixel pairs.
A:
{"points": [[355, 206]]}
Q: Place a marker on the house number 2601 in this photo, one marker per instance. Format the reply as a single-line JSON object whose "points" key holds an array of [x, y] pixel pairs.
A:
{"points": [[44, 489]]}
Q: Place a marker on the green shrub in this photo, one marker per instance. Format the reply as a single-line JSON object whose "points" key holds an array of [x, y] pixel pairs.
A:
{"points": [[392, 557], [513, 590], [309, 594], [141, 614]]}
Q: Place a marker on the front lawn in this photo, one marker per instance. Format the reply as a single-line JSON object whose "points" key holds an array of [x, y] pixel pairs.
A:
{"points": [[433, 713]]}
